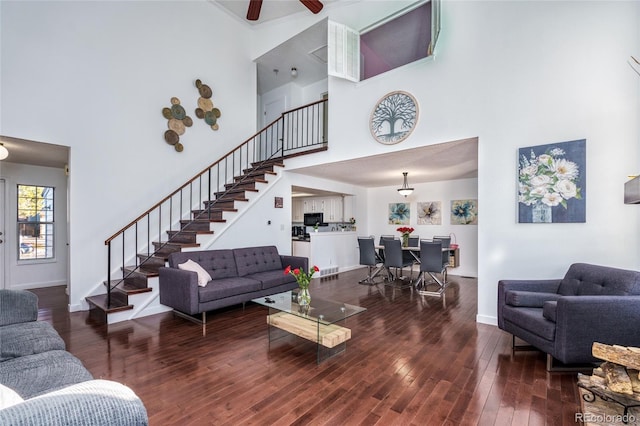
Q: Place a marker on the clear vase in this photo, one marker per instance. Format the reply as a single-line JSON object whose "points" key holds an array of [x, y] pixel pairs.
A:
{"points": [[405, 240], [304, 297], [541, 213]]}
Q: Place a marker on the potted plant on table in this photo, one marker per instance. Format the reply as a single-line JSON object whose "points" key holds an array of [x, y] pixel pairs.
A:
{"points": [[405, 231], [303, 279]]}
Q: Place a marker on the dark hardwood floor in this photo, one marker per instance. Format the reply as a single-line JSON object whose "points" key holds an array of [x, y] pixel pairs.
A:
{"points": [[410, 361]]}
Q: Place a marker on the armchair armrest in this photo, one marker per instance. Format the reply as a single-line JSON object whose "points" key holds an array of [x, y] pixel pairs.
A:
{"points": [[95, 402], [17, 306], [543, 286], [295, 262], [582, 320], [179, 289]]}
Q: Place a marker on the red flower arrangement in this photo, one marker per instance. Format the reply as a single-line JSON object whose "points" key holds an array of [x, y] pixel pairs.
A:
{"points": [[405, 230], [303, 279]]}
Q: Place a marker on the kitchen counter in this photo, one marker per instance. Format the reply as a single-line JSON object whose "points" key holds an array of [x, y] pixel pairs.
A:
{"points": [[331, 252]]}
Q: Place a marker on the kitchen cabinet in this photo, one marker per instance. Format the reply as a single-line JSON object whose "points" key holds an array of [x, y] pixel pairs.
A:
{"points": [[330, 207], [333, 209], [297, 213]]}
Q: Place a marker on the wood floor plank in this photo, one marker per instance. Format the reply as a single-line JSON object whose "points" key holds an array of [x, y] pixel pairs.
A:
{"points": [[410, 361]]}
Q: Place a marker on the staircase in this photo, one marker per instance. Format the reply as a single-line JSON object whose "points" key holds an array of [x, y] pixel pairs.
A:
{"points": [[194, 209]]}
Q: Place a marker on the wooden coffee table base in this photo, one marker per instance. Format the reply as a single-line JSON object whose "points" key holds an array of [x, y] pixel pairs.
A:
{"points": [[329, 336]]}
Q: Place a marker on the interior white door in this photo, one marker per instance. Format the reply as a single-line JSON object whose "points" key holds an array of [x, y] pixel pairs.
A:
{"points": [[271, 111]]}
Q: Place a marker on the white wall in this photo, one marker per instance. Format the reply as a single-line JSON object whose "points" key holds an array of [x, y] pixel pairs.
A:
{"points": [[466, 236], [26, 274], [95, 76], [515, 74]]}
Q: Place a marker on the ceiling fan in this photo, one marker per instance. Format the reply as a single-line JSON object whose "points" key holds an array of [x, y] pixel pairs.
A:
{"points": [[253, 13]]}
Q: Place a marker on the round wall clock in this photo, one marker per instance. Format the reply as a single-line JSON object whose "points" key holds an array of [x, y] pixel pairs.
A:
{"points": [[394, 118]]}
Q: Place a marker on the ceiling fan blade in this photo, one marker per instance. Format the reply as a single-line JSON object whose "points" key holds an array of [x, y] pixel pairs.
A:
{"points": [[253, 13], [314, 6]]}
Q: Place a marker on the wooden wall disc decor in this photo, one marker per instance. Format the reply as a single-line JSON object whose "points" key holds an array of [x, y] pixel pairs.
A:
{"points": [[206, 110], [177, 121]]}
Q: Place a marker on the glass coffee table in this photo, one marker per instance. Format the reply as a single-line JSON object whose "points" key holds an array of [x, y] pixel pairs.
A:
{"points": [[323, 322]]}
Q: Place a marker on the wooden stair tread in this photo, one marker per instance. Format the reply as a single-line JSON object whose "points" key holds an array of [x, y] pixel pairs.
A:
{"points": [[141, 270], [100, 302], [129, 288], [175, 243]]}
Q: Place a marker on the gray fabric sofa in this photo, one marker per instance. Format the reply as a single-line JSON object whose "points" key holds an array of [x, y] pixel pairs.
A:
{"points": [[238, 275], [41, 383], [563, 317]]}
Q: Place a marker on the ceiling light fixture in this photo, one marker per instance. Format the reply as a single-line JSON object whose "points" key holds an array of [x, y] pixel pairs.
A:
{"points": [[294, 72], [405, 190], [4, 153]]}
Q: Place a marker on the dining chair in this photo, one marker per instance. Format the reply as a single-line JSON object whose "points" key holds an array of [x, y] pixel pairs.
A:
{"points": [[431, 264], [381, 251], [369, 258], [446, 245], [393, 259], [410, 256]]}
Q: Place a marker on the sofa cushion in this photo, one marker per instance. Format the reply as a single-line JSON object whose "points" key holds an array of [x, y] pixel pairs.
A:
{"points": [[218, 263], [549, 310], [270, 279], [531, 319], [36, 374], [532, 299], [603, 280], [8, 397], [569, 287], [252, 260], [227, 287], [190, 265], [28, 338]]}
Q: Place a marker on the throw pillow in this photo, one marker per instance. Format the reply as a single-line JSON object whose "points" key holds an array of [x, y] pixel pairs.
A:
{"points": [[203, 276], [8, 397]]}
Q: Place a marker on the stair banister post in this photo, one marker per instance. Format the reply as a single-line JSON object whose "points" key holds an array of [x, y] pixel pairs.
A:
{"points": [[108, 273]]}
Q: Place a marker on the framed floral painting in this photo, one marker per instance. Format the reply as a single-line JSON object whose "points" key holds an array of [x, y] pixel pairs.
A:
{"points": [[552, 183], [464, 212], [430, 213], [399, 213]]}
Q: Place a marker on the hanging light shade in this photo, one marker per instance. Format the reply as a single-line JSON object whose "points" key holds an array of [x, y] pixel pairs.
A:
{"points": [[3, 152], [405, 190]]}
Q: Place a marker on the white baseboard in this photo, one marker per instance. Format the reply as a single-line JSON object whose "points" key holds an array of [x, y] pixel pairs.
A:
{"points": [[485, 319]]}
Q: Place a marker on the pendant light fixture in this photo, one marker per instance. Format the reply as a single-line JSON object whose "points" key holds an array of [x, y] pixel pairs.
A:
{"points": [[405, 190], [4, 153]]}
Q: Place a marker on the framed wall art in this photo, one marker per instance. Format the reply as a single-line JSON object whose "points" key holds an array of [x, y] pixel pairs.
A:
{"points": [[399, 214], [464, 212], [552, 183], [394, 118], [430, 213]]}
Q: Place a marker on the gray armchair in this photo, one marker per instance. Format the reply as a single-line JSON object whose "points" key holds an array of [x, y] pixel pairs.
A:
{"points": [[563, 317]]}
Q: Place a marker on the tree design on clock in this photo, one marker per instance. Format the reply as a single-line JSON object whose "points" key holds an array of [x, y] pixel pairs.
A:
{"points": [[394, 118]]}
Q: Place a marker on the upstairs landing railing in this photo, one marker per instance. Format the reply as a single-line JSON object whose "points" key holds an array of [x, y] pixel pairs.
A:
{"points": [[295, 132]]}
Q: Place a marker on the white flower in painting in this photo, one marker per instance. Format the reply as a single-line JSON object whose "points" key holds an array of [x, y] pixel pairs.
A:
{"points": [[540, 180], [556, 152], [552, 199], [566, 188], [545, 159], [565, 169], [538, 192], [529, 170]]}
